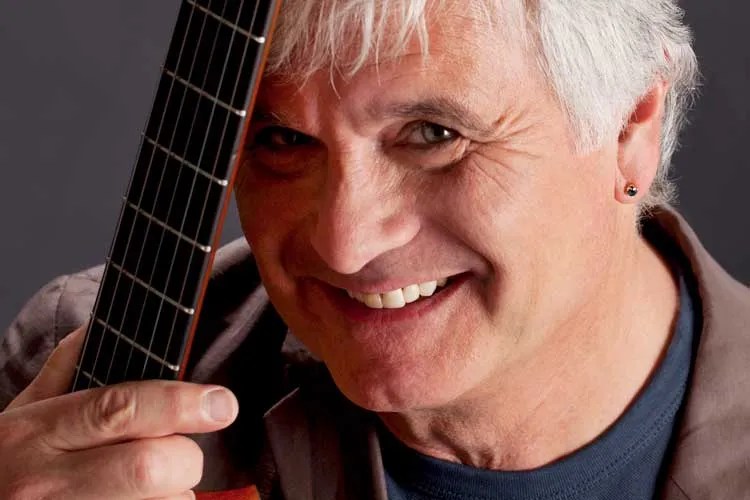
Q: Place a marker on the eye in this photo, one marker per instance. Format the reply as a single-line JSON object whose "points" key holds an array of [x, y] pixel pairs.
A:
{"points": [[429, 146], [433, 133], [281, 152], [427, 134], [277, 138]]}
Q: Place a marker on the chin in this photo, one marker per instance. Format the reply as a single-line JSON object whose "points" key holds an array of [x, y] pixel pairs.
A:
{"points": [[395, 388]]}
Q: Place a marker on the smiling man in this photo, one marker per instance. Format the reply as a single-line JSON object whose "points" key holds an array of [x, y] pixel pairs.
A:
{"points": [[460, 214]]}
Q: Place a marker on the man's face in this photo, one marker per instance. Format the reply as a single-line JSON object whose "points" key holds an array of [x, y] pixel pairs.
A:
{"points": [[461, 168]]}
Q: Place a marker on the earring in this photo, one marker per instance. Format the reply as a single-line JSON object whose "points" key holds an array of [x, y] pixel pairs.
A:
{"points": [[631, 190]]}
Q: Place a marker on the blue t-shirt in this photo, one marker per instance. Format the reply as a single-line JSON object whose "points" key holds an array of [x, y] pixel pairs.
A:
{"points": [[623, 463]]}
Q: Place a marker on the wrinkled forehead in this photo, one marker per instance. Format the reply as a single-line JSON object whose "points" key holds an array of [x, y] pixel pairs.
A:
{"points": [[343, 36]]}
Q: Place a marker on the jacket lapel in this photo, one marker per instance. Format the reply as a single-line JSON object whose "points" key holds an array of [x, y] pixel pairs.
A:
{"points": [[324, 448], [288, 436], [711, 454]]}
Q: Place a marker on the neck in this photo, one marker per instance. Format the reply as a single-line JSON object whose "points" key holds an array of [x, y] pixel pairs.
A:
{"points": [[572, 389]]}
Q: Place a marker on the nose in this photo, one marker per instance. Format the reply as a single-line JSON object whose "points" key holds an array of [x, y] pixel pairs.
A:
{"points": [[362, 213]]}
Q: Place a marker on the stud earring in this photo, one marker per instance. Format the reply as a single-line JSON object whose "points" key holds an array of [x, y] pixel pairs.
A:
{"points": [[631, 190]]}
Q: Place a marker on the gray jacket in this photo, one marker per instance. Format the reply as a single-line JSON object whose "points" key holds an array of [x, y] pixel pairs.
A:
{"points": [[298, 438]]}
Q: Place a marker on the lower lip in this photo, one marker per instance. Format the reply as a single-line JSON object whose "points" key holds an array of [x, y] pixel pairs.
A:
{"points": [[356, 311]]}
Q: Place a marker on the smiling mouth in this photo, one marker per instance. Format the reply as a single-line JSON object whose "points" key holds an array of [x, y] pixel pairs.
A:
{"points": [[401, 297]]}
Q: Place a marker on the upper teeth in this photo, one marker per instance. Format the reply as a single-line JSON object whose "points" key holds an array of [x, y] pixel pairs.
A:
{"points": [[398, 298]]}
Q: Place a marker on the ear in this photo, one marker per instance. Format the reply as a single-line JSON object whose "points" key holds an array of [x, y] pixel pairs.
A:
{"points": [[639, 147]]}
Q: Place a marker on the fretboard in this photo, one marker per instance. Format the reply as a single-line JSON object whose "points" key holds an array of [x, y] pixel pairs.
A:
{"points": [[156, 271]]}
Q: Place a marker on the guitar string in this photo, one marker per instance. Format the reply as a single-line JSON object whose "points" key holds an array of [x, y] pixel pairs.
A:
{"points": [[210, 186], [190, 75], [193, 250], [221, 144], [207, 65], [108, 266], [149, 225]]}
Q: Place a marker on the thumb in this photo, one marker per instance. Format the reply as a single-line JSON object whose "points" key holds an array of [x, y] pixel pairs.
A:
{"points": [[57, 373]]}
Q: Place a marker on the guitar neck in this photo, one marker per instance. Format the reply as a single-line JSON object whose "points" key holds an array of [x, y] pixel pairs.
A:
{"points": [[157, 268]]}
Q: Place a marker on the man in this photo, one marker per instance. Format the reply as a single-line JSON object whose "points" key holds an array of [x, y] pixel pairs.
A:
{"points": [[459, 210]]}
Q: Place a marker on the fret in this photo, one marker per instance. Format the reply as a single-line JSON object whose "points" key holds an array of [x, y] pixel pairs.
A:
{"points": [[110, 360], [163, 243], [203, 93], [193, 128], [213, 56], [246, 18], [199, 40], [181, 44], [135, 345], [170, 323], [186, 201], [183, 161], [249, 16], [226, 22], [162, 296], [114, 304], [137, 313], [163, 225], [158, 257], [258, 16]]}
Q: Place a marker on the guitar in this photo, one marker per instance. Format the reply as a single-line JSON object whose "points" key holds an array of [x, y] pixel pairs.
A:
{"points": [[157, 269], [165, 240]]}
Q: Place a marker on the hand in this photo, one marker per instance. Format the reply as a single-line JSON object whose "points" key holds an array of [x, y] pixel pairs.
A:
{"points": [[116, 442]]}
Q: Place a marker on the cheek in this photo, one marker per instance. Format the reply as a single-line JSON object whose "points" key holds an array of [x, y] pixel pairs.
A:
{"points": [[483, 204], [273, 214], [487, 203], [266, 225], [268, 208], [533, 222]]}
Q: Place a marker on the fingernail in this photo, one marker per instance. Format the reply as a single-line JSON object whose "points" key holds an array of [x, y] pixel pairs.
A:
{"points": [[219, 405]]}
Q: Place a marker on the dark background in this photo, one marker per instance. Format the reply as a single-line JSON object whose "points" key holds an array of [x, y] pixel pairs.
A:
{"points": [[76, 82]]}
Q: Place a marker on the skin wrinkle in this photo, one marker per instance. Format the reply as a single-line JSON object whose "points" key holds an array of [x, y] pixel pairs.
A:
{"points": [[549, 332], [431, 110]]}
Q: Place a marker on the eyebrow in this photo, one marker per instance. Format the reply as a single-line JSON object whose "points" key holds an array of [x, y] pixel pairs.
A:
{"points": [[433, 109], [261, 114], [445, 110]]}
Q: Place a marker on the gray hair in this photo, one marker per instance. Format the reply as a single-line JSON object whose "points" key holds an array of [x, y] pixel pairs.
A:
{"points": [[600, 56]]}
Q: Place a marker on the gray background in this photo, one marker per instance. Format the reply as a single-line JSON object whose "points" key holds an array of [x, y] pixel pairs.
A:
{"points": [[76, 81]]}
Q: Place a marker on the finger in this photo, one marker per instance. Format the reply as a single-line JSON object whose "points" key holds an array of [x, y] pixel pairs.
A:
{"points": [[57, 373], [148, 468], [133, 410]]}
